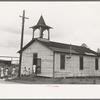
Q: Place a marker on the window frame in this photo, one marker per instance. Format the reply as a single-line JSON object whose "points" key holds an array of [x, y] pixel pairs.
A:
{"points": [[96, 64], [81, 62], [62, 60]]}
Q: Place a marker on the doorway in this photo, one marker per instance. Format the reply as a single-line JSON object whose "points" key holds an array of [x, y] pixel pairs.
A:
{"points": [[37, 62]]}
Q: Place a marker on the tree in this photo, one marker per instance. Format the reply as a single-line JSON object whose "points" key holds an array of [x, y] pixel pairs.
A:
{"points": [[84, 45]]}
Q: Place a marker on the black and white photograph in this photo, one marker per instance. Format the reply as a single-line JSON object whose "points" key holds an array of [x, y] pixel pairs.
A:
{"points": [[50, 49], [50, 43]]}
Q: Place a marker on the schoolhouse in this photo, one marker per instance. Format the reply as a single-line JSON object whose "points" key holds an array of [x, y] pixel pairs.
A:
{"points": [[55, 59]]}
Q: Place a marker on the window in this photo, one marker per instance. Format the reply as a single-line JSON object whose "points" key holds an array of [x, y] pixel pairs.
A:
{"points": [[81, 63], [62, 61], [96, 63], [34, 58]]}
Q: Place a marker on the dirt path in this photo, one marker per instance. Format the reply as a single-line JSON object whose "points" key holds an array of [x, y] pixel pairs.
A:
{"points": [[38, 80], [2, 81]]}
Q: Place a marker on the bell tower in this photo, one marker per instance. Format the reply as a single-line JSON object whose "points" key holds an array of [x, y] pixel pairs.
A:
{"points": [[41, 25]]}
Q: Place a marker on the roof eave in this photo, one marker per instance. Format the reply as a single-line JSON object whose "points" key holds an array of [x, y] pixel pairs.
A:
{"points": [[26, 45], [76, 54]]}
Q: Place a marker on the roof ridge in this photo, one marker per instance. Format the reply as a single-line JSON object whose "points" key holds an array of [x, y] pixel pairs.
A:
{"points": [[61, 46], [66, 44]]}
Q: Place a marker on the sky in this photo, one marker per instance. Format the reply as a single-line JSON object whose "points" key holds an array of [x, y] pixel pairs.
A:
{"points": [[73, 23]]}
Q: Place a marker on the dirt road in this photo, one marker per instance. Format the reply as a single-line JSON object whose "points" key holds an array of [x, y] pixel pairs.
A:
{"points": [[2, 81]]}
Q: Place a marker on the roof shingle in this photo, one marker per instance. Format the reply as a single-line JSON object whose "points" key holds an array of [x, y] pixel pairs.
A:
{"points": [[65, 48]]}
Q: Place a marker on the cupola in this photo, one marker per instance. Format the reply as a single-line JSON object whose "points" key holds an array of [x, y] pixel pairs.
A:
{"points": [[41, 25]]}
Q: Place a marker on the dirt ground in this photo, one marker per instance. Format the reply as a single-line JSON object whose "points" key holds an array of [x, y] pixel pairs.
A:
{"points": [[43, 80]]}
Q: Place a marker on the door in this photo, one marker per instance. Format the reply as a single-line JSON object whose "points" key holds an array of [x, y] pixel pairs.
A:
{"points": [[38, 66], [35, 58]]}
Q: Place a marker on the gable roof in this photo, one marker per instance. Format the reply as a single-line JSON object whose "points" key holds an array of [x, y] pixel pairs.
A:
{"points": [[64, 48]]}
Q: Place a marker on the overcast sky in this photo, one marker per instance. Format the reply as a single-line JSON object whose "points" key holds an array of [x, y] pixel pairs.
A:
{"points": [[72, 22]]}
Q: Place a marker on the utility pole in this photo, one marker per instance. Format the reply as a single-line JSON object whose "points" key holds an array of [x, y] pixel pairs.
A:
{"points": [[21, 45]]}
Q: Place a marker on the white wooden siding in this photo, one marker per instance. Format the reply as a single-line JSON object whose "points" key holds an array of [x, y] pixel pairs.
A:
{"points": [[72, 66], [44, 53]]}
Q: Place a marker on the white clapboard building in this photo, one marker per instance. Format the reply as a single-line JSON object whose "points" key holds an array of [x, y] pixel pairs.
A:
{"points": [[55, 59]]}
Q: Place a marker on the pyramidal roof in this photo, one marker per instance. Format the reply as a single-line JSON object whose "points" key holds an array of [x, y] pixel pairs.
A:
{"points": [[41, 21]]}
